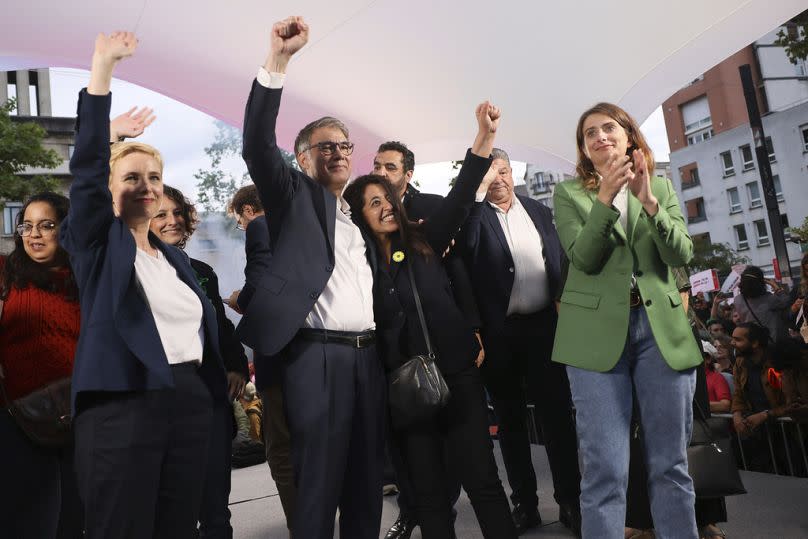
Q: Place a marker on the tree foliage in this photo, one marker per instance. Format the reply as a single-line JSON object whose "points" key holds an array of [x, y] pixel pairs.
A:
{"points": [[718, 256], [800, 232], [216, 185], [792, 37], [20, 149]]}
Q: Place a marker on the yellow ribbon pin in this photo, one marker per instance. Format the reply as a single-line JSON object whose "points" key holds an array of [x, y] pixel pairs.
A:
{"points": [[398, 256]]}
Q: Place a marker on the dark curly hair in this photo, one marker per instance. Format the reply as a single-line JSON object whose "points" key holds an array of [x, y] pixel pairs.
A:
{"points": [[187, 210], [354, 195], [20, 271]]}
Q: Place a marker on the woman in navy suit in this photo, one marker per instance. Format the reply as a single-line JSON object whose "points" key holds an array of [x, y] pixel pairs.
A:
{"points": [[147, 372], [462, 426]]}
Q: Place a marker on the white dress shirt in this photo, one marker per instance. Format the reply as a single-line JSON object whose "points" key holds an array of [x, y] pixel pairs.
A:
{"points": [[530, 292], [620, 203], [346, 302], [176, 309]]}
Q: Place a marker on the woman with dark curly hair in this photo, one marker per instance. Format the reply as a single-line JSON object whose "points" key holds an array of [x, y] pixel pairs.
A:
{"points": [[174, 223], [39, 328]]}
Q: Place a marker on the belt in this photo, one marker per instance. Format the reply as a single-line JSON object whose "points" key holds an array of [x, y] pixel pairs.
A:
{"points": [[361, 339], [635, 299]]}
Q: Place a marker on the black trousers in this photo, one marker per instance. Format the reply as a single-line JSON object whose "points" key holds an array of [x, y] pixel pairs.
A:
{"points": [[38, 497], [214, 516], [140, 456], [334, 395], [458, 433], [517, 370]]}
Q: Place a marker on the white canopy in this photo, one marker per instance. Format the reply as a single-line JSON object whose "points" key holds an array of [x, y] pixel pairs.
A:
{"points": [[409, 70]]}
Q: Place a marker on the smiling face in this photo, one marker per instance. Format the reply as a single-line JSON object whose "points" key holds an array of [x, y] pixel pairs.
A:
{"points": [[378, 211], [331, 170], [42, 244], [501, 189], [136, 183], [603, 139], [169, 224]]}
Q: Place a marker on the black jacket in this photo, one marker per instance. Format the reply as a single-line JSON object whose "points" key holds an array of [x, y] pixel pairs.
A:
{"points": [[421, 206], [397, 323], [235, 360]]}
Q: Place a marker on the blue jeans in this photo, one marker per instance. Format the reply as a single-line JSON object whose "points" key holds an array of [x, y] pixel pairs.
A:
{"points": [[603, 404]]}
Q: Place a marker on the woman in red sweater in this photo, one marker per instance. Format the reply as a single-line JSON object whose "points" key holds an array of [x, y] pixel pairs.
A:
{"points": [[39, 328]]}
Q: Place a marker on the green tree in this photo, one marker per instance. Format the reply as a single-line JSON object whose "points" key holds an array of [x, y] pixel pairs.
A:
{"points": [[800, 232], [216, 186], [792, 37], [718, 256], [21, 148]]}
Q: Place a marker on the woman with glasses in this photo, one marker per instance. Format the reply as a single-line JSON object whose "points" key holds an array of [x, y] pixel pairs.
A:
{"points": [[174, 224], [39, 327], [148, 372]]}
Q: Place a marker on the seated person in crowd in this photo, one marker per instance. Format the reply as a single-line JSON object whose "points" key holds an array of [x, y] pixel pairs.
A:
{"points": [[718, 392]]}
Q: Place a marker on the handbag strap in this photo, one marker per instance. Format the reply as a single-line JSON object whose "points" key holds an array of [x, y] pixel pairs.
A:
{"points": [[702, 418], [420, 310]]}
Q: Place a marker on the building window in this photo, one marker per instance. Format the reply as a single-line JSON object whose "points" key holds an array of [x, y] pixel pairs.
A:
{"points": [[770, 150], [10, 211], [695, 210], [762, 233], [70, 149], [740, 237], [726, 161], [700, 136], [778, 189], [689, 175], [784, 223], [734, 200], [747, 157], [753, 190], [12, 94], [804, 133]]}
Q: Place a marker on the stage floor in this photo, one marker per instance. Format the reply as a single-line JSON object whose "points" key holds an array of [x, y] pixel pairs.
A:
{"points": [[775, 507]]}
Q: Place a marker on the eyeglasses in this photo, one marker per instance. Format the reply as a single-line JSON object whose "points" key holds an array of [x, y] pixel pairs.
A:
{"points": [[328, 147], [46, 228]]}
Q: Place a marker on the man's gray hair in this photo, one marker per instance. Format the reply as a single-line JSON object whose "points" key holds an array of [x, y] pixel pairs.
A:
{"points": [[498, 153], [303, 138]]}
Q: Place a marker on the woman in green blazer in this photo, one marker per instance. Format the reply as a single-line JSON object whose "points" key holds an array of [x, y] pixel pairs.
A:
{"points": [[621, 327]]}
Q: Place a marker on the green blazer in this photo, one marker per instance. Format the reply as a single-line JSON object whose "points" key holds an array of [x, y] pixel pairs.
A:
{"points": [[594, 312]]}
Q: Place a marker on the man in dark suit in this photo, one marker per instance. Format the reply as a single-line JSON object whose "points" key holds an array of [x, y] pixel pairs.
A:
{"points": [[314, 304], [396, 162], [247, 210], [515, 258]]}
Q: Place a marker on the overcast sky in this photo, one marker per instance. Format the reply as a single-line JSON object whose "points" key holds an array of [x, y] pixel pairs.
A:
{"points": [[181, 132]]}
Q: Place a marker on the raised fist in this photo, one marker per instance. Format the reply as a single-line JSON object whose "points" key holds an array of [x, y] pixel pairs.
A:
{"points": [[487, 117], [116, 46], [289, 36]]}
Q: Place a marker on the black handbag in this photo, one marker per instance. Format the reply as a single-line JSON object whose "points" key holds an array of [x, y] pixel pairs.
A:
{"points": [[710, 459], [416, 389], [43, 415]]}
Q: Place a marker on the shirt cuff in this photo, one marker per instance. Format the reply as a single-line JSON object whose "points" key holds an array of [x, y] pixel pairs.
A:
{"points": [[479, 197], [270, 79]]}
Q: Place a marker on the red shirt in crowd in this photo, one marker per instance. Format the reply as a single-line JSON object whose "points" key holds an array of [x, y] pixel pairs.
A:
{"points": [[38, 335], [717, 386]]}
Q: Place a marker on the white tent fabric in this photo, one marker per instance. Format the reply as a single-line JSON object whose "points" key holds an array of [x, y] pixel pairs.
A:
{"points": [[409, 70]]}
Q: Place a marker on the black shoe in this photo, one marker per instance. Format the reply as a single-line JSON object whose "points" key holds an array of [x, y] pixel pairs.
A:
{"points": [[401, 528], [570, 516], [525, 518]]}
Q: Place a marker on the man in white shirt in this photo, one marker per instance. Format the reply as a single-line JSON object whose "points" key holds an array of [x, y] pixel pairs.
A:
{"points": [[516, 261], [313, 307]]}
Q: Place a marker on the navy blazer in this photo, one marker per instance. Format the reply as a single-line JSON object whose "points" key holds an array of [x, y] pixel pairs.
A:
{"points": [[397, 322], [490, 262], [301, 217], [119, 348], [256, 247]]}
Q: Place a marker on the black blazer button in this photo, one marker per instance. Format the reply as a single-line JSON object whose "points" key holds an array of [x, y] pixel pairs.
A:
{"points": [[392, 291], [648, 303], [638, 274], [313, 295], [329, 268], [510, 269]]}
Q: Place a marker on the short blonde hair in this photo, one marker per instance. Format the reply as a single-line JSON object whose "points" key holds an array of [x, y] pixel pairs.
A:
{"points": [[119, 150]]}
